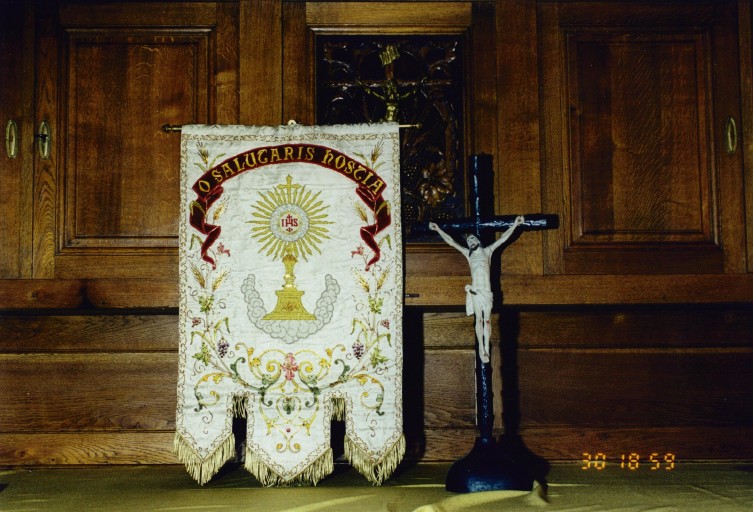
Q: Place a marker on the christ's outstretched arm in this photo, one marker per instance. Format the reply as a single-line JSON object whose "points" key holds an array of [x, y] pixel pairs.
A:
{"points": [[508, 233], [447, 238]]}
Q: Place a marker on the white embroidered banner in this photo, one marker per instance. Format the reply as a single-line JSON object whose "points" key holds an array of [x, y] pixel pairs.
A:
{"points": [[291, 299]]}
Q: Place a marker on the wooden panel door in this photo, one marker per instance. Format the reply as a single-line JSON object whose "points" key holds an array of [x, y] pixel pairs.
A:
{"points": [[110, 76], [636, 100], [15, 154]]}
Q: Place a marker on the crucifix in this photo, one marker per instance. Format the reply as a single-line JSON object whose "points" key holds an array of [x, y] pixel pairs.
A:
{"points": [[486, 467], [390, 94]]}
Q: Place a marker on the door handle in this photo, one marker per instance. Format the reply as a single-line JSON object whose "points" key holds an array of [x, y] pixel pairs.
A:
{"points": [[44, 140], [730, 135], [11, 138]]}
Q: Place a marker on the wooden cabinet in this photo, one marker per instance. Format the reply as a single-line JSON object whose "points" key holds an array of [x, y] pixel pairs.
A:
{"points": [[109, 76], [93, 224], [611, 115], [640, 100]]}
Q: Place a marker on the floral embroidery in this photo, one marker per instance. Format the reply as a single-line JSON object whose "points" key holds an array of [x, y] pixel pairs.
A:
{"points": [[289, 366], [371, 329], [287, 373]]}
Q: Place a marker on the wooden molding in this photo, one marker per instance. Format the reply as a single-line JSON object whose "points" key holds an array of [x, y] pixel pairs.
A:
{"points": [[421, 291]]}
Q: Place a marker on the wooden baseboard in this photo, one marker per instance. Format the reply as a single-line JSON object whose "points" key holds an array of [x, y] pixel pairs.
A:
{"points": [[96, 448], [550, 444]]}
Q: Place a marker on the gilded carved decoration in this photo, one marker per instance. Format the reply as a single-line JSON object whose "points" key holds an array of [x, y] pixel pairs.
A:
{"points": [[411, 80]]}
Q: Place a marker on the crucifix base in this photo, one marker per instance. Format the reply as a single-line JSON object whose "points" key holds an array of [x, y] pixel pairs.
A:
{"points": [[487, 468]]}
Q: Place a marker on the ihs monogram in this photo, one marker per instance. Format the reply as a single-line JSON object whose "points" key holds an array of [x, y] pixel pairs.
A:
{"points": [[289, 223], [290, 219]]}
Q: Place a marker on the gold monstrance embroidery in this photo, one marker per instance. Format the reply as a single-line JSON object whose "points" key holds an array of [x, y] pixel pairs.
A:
{"points": [[289, 305], [290, 221]]}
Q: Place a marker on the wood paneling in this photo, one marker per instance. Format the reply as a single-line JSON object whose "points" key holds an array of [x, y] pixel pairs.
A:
{"points": [[642, 388], [551, 444], [88, 392], [635, 160], [89, 333], [539, 445], [687, 443], [88, 385], [23, 294], [80, 448], [449, 382], [427, 290], [607, 378], [518, 161], [690, 326], [121, 179], [448, 443], [113, 75], [390, 16], [626, 330], [16, 36], [640, 328], [745, 22], [261, 41], [422, 290], [298, 65]]}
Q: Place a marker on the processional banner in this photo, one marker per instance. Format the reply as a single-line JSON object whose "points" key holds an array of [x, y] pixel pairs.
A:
{"points": [[291, 293]]}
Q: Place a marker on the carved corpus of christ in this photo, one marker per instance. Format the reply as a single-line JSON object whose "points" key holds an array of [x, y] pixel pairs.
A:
{"points": [[479, 299]]}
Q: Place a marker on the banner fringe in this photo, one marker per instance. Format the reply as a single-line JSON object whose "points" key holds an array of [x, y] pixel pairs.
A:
{"points": [[321, 467], [203, 470], [239, 406], [338, 409], [375, 471]]}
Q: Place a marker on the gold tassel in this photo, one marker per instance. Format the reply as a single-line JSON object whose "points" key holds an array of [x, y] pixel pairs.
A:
{"points": [[202, 470], [338, 408], [375, 471], [321, 467]]}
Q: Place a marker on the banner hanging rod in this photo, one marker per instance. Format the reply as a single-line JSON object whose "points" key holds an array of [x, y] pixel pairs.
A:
{"points": [[169, 128]]}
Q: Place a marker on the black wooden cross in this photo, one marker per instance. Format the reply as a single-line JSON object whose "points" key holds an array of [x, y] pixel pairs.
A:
{"points": [[487, 467], [482, 222]]}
